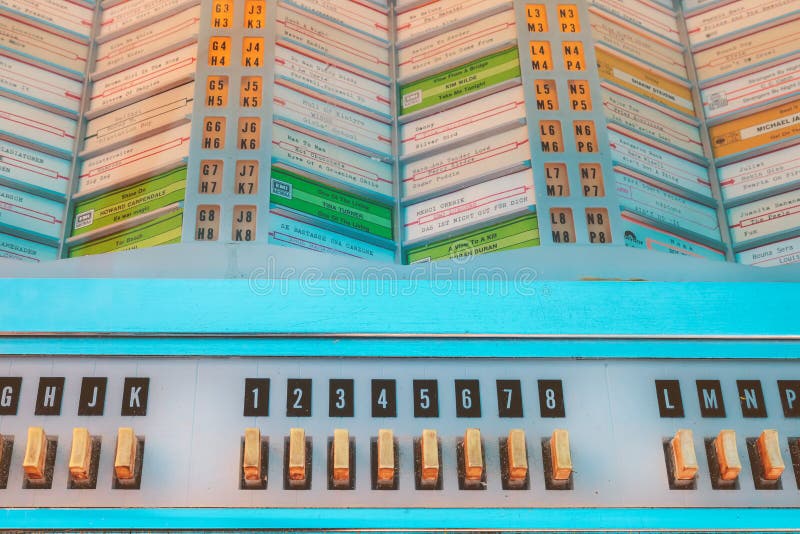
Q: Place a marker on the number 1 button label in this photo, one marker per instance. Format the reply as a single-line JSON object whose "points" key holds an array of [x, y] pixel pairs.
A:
{"points": [[256, 397]]}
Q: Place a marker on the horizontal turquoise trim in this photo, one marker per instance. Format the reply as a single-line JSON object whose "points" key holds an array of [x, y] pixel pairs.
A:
{"points": [[400, 348], [474, 519], [422, 307]]}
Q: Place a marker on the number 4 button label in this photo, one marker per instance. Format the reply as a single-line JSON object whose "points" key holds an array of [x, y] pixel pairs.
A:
{"points": [[384, 396]]}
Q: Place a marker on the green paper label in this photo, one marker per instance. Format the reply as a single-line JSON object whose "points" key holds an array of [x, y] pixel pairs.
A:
{"points": [[295, 192], [521, 232], [164, 230], [459, 81], [123, 204]]}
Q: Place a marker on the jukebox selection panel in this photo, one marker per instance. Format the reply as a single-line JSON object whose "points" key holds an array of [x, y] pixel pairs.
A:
{"points": [[295, 139], [400, 131], [424, 131], [427, 432]]}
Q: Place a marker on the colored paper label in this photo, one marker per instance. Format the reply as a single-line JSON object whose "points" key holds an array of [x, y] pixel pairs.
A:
{"points": [[482, 159], [734, 17], [290, 233], [775, 169], [653, 123], [522, 232], [132, 13], [664, 207], [139, 119], [496, 111], [753, 131], [332, 81], [456, 46], [659, 20], [481, 203], [142, 43], [772, 255], [164, 230], [136, 161], [39, 85], [332, 122], [752, 90], [643, 81], [144, 79], [654, 163], [351, 14], [332, 42], [33, 168], [764, 218], [16, 248], [32, 213], [122, 204], [460, 81], [330, 161], [306, 196], [40, 45], [635, 43], [642, 235], [37, 126], [431, 17], [747, 52]]}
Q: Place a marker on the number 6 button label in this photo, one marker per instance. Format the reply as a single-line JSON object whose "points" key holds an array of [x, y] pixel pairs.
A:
{"points": [[468, 398]]}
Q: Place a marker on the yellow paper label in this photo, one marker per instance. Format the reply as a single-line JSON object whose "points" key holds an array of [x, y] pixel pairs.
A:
{"points": [[222, 13], [219, 51], [536, 15], [541, 55], [636, 78], [762, 128], [574, 55], [217, 91], [568, 19]]}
